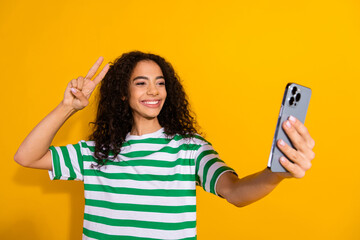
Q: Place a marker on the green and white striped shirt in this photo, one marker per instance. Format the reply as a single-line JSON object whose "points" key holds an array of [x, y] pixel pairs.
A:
{"points": [[148, 192]]}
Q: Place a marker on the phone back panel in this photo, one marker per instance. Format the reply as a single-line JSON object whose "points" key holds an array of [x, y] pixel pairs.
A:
{"points": [[295, 102]]}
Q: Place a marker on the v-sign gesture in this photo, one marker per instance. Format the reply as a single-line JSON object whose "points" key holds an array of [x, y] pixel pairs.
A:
{"points": [[79, 90], [34, 150]]}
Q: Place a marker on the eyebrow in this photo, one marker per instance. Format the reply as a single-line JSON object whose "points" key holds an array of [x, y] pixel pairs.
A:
{"points": [[146, 78]]}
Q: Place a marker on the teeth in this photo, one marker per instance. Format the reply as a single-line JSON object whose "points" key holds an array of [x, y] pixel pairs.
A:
{"points": [[152, 102]]}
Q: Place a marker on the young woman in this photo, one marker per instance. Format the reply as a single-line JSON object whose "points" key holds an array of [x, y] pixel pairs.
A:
{"points": [[145, 157]]}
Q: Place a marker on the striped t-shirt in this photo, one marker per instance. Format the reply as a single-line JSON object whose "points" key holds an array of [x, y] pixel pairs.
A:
{"points": [[148, 192]]}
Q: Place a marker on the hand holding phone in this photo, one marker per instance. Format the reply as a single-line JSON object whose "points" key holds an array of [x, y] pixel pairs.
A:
{"points": [[295, 103]]}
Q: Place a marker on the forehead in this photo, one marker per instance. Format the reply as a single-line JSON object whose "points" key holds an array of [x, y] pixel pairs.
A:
{"points": [[147, 67]]}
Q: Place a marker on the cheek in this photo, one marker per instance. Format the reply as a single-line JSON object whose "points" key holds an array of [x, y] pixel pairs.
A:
{"points": [[134, 94], [133, 100]]}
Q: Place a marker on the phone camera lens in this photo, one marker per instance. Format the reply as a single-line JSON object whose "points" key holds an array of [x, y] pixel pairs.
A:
{"points": [[297, 97], [294, 90], [291, 101]]}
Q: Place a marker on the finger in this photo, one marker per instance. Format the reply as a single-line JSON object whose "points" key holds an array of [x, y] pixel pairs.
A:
{"points": [[303, 131], [74, 83], [80, 83], [94, 68], [102, 74], [295, 156], [300, 142], [68, 90], [292, 168], [79, 95], [296, 139]]}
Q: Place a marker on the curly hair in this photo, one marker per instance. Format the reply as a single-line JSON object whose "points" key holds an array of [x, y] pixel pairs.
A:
{"points": [[114, 118]]}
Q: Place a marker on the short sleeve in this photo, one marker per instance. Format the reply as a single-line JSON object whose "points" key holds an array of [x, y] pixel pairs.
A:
{"points": [[67, 162], [209, 168]]}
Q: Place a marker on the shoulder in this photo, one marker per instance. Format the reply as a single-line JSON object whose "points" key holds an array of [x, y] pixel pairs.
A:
{"points": [[199, 140], [86, 143], [194, 142]]}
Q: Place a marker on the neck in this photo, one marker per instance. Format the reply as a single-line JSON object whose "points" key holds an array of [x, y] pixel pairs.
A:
{"points": [[144, 126]]}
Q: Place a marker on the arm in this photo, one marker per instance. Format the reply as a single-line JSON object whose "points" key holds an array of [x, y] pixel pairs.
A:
{"points": [[34, 150], [244, 191]]}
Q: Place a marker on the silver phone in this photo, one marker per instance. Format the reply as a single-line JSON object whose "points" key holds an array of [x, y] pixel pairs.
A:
{"points": [[295, 102]]}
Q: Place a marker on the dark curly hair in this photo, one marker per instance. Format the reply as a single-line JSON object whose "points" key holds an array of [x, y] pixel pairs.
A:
{"points": [[114, 118]]}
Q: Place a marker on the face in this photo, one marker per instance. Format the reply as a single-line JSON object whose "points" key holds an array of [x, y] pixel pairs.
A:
{"points": [[147, 90]]}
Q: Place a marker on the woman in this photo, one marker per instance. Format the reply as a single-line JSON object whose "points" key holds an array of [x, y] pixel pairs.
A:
{"points": [[145, 157]]}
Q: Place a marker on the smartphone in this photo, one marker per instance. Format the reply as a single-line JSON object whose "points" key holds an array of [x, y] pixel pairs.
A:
{"points": [[295, 102]]}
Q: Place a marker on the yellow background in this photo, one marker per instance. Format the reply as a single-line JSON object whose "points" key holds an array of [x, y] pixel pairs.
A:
{"points": [[235, 58]]}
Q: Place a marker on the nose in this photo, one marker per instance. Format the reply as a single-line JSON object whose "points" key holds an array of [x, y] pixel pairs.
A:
{"points": [[152, 90]]}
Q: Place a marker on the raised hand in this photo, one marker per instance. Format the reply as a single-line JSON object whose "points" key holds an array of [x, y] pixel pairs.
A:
{"points": [[300, 157], [78, 91]]}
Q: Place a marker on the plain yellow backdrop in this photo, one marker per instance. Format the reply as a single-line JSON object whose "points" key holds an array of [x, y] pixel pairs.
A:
{"points": [[235, 58]]}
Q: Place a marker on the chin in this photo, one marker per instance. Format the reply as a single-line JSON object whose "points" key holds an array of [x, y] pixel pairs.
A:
{"points": [[151, 116], [147, 116]]}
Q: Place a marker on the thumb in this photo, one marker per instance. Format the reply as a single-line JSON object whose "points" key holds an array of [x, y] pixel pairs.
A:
{"points": [[79, 95]]}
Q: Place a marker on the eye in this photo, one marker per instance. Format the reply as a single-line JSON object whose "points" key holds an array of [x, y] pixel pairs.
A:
{"points": [[161, 83], [139, 83]]}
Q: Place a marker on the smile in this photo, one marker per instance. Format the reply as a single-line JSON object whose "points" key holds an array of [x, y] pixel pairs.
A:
{"points": [[153, 103]]}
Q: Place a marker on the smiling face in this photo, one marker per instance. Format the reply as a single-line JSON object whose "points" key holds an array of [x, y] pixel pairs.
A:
{"points": [[147, 90]]}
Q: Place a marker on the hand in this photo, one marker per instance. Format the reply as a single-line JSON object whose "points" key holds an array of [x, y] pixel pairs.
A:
{"points": [[79, 90], [302, 156]]}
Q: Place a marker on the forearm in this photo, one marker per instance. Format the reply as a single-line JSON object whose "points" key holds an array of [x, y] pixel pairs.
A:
{"points": [[249, 189], [37, 143]]}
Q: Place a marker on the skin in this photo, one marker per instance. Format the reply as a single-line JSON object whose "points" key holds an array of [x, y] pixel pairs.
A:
{"points": [[147, 85], [34, 150], [244, 191]]}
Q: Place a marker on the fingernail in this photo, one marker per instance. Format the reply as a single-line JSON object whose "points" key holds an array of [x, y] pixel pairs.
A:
{"points": [[292, 118], [73, 90], [282, 143], [288, 124], [282, 159]]}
